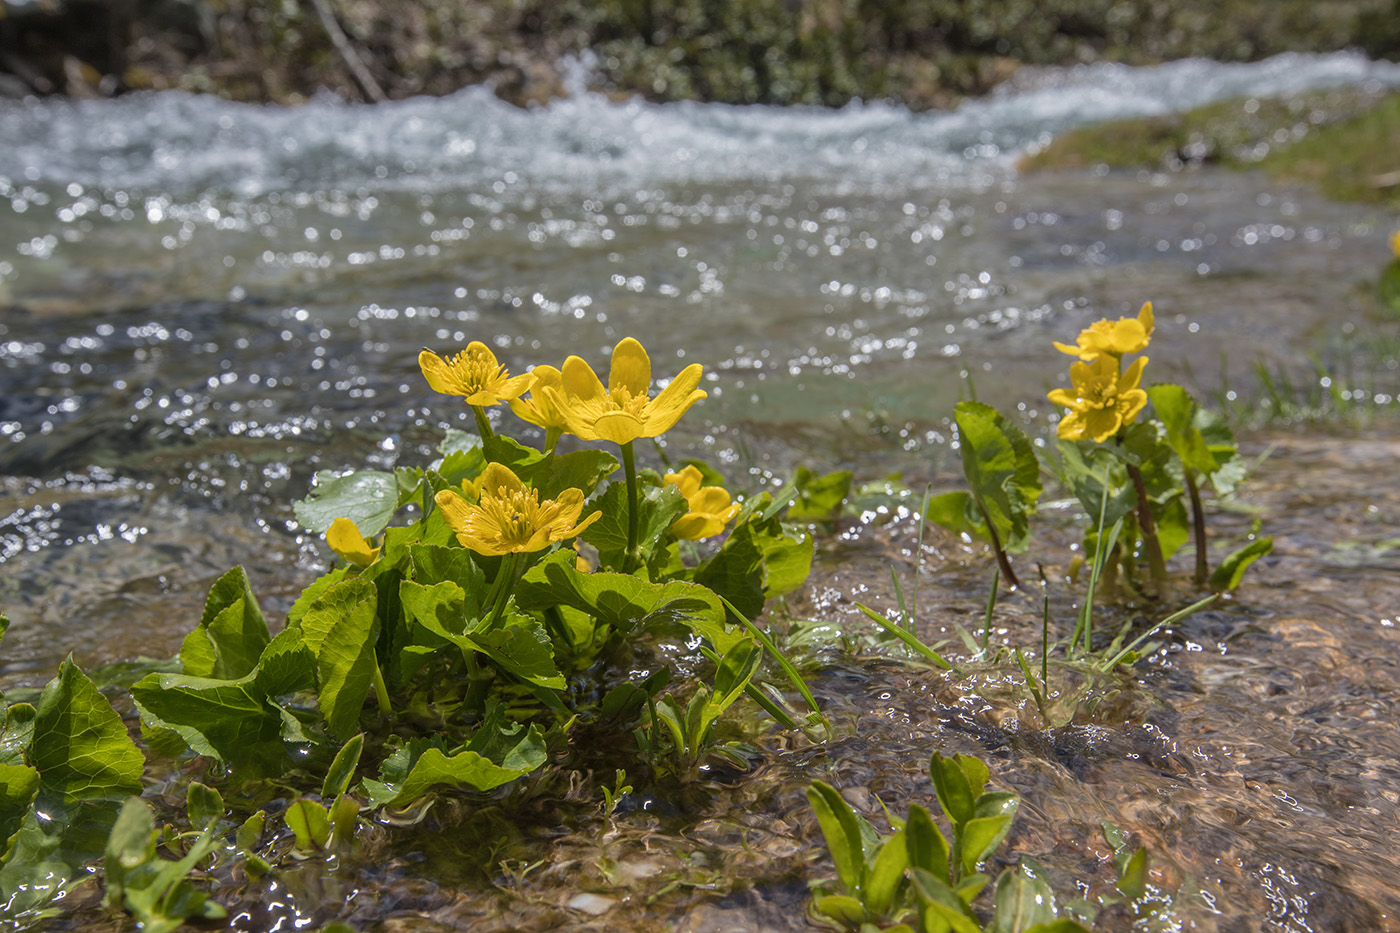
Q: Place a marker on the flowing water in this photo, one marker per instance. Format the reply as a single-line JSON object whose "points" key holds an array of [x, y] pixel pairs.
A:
{"points": [[205, 303]]}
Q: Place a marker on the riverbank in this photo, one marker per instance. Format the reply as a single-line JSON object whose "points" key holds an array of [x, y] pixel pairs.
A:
{"points": [[816, 52]]}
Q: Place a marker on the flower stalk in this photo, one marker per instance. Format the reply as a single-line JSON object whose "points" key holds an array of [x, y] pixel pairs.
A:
{"points": [[629, 464], [1148, 527]]}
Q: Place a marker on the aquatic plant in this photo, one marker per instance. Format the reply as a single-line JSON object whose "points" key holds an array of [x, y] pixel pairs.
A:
{"points": [[450, 652], [915, 879]]}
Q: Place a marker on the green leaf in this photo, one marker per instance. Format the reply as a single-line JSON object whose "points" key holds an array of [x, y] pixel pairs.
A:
{"points": [[334, 604], [313, 592], [432, 768], [369, 498], [578, 469], [434, 563], [18, 734], [521, 646], [735, 571], [1082, 466], [819, 498], [311, 824], [345, 665], [155, 890], [1177, 411], [1023, 900], [1231, 570], [981, 836], [1002, 470], [1132, 882], [342, 769], [735, 671], [623, 602], [1390, 286], [232, 721], [842, 908], [950, 783], [928, 849], [440, 609], [886, 873], [204, 805], [80, 747], [231, 634], [843, 836], [250, 833], [1173, 526], [19, 785], [659, 507], [787, 561], [944, 908]]}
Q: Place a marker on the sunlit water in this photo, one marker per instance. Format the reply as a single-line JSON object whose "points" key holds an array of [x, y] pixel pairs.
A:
{"points": [[204, 303]]}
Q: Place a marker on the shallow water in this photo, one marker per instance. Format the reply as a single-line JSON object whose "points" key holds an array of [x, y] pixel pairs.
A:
{"points": [[205, 303]]}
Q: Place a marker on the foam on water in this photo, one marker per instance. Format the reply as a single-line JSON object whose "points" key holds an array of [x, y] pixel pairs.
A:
{"points": [[181, 145]]}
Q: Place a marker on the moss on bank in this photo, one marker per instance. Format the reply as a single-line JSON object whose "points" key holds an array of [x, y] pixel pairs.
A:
{"points": [[1346, 143], [924, 53]]}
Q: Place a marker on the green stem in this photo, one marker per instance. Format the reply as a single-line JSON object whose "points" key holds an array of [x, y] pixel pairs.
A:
{"points": [[381, 692], [505, 583], [1002, 559], [551, 439], [1198, 521], [483, 424], [629, 464], [1148, 527]]}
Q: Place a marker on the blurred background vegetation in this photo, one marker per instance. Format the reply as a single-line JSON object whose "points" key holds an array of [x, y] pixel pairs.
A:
{"points": [[923, 53]]}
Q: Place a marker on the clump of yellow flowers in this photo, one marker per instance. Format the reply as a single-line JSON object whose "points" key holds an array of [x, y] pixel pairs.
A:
{"points": [[499, 514], [1105, 397]]}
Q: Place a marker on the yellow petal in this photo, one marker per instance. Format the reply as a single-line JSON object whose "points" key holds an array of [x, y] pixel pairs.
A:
{"points": [[1132, 375], [1063, 397], [687, 480], [631, 368], [1102, 423], [577, 380], [437, 372], [618, 427], [1145, 317], [499, 480], [712, 500], [345, 539], [1130, 403], [666, 409], [454, 508], [693, 526], [1074, 350]]}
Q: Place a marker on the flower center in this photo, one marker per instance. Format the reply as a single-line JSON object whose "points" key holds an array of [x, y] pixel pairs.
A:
{"points": [[476, 370], [513, 513], [625, 401]]}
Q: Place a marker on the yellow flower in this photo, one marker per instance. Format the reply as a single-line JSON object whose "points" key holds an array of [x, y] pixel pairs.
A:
{"points": [[345, 539], [1114, 338], [508, 516], [538, 409], [622, 412], [1395, 243], [1102, 401], [710, 508], [474, 374]]}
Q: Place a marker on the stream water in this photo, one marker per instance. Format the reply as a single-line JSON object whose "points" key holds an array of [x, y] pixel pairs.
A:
{"points": [[203, 303]]}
